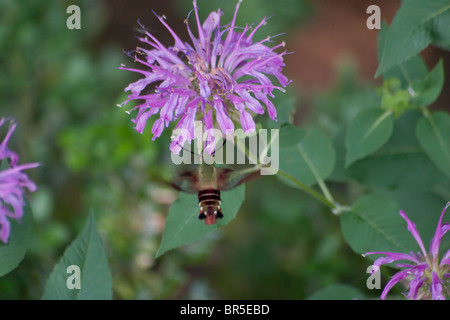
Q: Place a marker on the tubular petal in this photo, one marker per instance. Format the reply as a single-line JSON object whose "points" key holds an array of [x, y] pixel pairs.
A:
{"points": [[436, 287], [436, 241], [412, 228]]}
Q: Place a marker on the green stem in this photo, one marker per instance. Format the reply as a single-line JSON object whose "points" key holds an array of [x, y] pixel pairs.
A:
{"points": [[316, 195], [405, 74], [268, 146], [250, 170], [243, 148], [426, 113], [326, 192], [327, 198], [320, 182]]}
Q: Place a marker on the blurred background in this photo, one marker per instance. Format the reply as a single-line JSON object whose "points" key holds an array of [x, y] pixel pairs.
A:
{"points": [[63, 86]]}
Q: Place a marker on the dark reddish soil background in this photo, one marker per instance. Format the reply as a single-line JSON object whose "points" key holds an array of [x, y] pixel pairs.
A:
{"points": [[336, 30]]}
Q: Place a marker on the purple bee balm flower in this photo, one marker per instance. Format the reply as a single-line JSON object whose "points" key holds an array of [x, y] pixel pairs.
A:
{"points": [[12, 184], [425, 273], [222, 70]]}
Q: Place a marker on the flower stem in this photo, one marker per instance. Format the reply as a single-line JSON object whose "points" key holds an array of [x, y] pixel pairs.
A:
{"points": [[326, 197], [426, 113], [325, 191], [247, 153]]}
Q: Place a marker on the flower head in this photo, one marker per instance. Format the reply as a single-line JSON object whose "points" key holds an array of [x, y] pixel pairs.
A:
{"points": [[12, 184], [222, 74], [425, 272]]}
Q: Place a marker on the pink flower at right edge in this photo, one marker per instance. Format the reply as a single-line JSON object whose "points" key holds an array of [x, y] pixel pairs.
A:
{"points": [[12, 184], [426, 273]]}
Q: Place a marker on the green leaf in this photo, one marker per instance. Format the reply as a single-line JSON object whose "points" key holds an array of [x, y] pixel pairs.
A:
{"points": [[285, 107], [338, 292], [409, 170], [424, 209], [410, 32], [408, 71], [374, 224], [413, 74], [428, 90], [311, 160], [389, 168], [382, 40], [369, 130], [12, 253], [433, 133], [86, 252], [183, 226], [441, 30]]}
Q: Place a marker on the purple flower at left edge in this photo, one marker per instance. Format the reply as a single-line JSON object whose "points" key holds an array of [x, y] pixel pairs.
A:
{"points": [[426, 276], [12, 184], [222, 76]]}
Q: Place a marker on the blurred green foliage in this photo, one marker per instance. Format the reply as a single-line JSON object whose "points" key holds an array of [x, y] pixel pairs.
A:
{"points": [[63, 85], [62, 88], [283, 14]]}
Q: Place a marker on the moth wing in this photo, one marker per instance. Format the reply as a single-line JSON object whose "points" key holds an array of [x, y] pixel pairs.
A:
{"points": [[230, 178], [186, 181]]}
